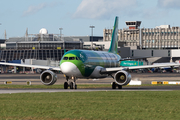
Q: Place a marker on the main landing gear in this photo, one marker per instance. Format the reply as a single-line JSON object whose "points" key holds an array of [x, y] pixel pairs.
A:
{"points": [[72, 85], [114, 85]]}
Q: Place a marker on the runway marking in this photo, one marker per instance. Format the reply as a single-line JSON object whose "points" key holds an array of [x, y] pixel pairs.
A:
{"points": [[7, 91]]}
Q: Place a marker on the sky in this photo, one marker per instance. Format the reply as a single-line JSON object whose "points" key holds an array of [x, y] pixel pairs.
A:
{"points": [[75, 16]]}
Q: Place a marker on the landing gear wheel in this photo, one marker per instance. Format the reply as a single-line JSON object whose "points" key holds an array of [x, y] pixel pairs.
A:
{"points": [[71, 85], [119, 86], [75, 86], [65, 85], [113, 85]]}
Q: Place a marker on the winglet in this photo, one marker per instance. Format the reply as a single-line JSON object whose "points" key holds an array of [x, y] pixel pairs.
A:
{"points": [[114, 38]]}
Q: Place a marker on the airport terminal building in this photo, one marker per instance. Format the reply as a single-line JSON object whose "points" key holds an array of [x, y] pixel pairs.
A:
{"points": [[42, 46], [160, 37], [162, 42]]}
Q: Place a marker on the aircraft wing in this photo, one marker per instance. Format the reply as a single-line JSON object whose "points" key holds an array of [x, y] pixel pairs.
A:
{"points": [[115, 69], [34, 66]]}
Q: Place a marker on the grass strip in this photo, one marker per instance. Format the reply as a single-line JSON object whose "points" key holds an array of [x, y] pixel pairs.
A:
{"points": [[109, 105], [61, 86]]}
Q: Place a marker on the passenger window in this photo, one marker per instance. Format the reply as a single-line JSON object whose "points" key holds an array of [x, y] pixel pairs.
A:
{"points": [[65, 58], [71, 58]]}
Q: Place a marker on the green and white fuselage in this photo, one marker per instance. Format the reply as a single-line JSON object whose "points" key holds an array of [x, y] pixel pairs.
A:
{"points": [[87, 64]]}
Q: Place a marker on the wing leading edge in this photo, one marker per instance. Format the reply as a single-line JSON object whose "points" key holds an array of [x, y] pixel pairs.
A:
{"points": [[111, 70], [34, 66]]}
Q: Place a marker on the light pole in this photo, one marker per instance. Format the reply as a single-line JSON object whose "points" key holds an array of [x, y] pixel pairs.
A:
{"points": [[91, 35], [60, 32]]}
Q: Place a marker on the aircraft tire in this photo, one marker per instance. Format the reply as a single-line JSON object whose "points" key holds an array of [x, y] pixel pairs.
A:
{"points": [[113, 85], [71, 85], [119, 86], [65, 85]]}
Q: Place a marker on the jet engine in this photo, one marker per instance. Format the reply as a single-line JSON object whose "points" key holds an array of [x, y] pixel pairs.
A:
{"points": [[48, 77], [122, 77]]}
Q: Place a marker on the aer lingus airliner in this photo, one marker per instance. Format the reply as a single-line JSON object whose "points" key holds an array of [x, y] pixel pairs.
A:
{"points": [[90, 64]]}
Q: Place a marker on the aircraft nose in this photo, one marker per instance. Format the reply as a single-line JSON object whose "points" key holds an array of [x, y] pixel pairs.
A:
{"points": [[68, 67]]}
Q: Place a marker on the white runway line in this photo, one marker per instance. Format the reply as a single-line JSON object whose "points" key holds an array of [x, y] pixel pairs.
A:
{"points": [[6, 91]]}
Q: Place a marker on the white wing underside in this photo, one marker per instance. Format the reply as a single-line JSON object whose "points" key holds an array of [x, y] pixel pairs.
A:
{"points": [[108, 70], [34, 66], [103, 70]]}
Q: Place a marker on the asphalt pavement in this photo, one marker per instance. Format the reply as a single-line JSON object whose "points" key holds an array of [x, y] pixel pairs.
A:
{"points": [[142, 88], [146, 78]]}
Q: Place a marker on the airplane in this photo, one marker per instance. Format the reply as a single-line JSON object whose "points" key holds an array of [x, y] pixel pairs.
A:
{"points": [[90, 64]]}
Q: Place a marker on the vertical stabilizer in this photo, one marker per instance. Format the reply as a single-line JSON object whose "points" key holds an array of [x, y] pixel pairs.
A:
{"points": [[114, 38]]}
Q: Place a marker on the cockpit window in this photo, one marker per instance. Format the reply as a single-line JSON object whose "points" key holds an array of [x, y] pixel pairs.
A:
{"points": [[77, 58], [71, 58], [65, 58]]}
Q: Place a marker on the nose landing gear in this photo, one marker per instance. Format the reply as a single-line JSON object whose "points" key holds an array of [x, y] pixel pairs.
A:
{"points": [[72, 85]]}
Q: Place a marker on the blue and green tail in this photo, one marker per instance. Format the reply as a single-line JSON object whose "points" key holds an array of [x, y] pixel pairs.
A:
{"points": [[114, 39]]}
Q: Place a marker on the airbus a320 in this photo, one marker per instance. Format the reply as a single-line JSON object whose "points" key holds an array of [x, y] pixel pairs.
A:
{"points": [[90, 64]]}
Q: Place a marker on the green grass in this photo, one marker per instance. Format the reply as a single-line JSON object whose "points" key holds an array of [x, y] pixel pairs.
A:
{"points": [[60, 86], [128, 105]]}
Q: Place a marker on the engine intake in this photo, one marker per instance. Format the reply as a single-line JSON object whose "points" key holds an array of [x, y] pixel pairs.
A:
{"points": [[122, 78], [48, 77]]}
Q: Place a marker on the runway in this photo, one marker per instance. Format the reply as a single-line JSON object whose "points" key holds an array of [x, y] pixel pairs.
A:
{"points": [[146, 78], [129, 88]]}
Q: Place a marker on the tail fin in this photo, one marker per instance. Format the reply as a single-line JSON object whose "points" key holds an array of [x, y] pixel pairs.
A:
{"points": [[114, 39]]}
